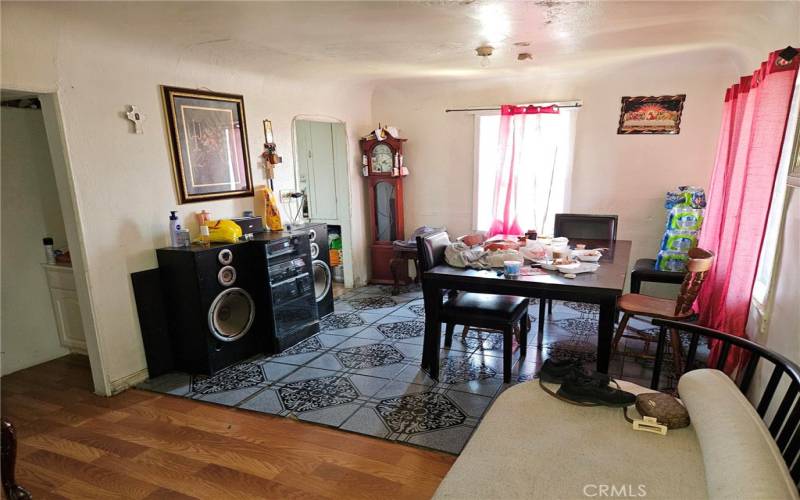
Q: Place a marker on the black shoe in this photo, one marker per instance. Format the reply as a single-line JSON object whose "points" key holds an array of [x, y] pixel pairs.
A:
{"points": [[556, 371], [580, 388]]}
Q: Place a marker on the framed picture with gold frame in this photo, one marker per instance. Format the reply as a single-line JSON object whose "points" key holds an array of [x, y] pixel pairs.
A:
{"points": [[208, 144], [651, 114]]}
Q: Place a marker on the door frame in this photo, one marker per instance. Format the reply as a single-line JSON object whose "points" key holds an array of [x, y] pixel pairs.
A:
{"points": [[344, 201], [74, 225]]}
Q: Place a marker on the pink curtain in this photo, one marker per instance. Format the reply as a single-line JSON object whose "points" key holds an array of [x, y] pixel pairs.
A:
{"points": [[753, 126], [510, 146]]}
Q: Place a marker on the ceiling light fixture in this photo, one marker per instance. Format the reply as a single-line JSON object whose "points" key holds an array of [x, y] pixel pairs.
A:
{"points": [[484, 51]]}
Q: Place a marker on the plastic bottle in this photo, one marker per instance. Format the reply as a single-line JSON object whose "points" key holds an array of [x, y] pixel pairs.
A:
{"points": [[173, 229], [205, 236], [49, 253]]}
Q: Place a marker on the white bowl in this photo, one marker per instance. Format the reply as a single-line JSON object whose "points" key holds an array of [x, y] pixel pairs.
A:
{"points": [[590, 258]]}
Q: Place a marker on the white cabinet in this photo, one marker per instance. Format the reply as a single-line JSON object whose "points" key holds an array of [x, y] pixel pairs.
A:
{"points": [[66, 308]]}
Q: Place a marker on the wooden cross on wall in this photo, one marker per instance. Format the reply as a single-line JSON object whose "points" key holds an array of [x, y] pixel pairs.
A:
{"points": [[136, 117]]}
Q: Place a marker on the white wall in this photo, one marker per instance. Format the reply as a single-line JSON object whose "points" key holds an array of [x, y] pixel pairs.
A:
{"points": [[30, 211], [613, 174], [123, 181]]}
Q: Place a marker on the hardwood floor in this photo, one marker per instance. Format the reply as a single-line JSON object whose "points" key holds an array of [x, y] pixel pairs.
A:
{"points": [[74, 444]]}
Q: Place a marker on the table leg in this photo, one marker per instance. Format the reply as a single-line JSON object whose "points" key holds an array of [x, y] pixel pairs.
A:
{"points": [[542, 305], [605, 334], [433, 329]]}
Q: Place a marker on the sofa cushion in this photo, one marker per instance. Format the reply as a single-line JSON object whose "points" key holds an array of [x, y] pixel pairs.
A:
{"points": [[741, 458], [531, 445]]}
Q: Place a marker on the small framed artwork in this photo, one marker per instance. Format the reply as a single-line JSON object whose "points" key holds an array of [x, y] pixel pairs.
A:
{"points": [[208, 143], [651, 115], [268, 137]]}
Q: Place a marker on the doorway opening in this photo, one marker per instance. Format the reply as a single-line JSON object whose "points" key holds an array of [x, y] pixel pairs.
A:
{"points": [[321, 174], [45, 306]]}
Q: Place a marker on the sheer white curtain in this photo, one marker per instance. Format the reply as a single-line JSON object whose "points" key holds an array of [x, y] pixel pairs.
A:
{"points": [[545, 166]]}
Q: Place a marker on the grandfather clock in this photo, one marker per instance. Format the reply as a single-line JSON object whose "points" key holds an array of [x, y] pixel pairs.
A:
{"points": [[382, 164]]}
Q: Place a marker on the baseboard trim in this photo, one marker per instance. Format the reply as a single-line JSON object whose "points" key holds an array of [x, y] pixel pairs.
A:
{"points": [[120, 385]]}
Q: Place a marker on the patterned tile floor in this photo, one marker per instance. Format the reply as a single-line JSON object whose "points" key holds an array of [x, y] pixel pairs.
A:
{"points": [[361, 372]]}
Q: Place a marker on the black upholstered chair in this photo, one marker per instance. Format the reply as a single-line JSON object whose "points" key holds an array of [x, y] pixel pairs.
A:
{"points": [[504, 313], [581, 228]]}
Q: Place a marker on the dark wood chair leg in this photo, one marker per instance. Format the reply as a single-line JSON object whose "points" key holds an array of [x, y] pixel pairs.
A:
{"points": [[465, 331], [8, 443], [508, 343], [524, 328], [620, 330], [542, 306], [448, 334], [550, 307]]}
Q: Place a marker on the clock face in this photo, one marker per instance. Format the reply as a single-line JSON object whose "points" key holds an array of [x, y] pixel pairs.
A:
{"points": [[382, 159]]}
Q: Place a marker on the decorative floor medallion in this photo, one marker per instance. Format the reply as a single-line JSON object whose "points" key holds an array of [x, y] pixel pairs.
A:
{"points": [[373, 302], [459, 370], [337, 321], [418, 309], [582, 327], [413, 413], [369, 356], [238, 376], [583, 307], [402, 329], [484, 340], [311, 344], [580, 350], [317, 393]]}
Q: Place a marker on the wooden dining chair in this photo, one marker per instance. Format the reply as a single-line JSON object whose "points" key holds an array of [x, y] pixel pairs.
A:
{"points": [[504, 313], [634, 304]]}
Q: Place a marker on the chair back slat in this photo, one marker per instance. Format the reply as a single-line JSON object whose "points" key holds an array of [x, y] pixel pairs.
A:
{"points": [[783, 409], [791, 452], [723, 355], [769, 391], [749, 371], [699, 263], [794, 470], [790, 425], [690, 355]]}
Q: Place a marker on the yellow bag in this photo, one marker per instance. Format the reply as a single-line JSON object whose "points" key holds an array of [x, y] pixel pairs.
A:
{"points": [[224, 231], [266, 206]]}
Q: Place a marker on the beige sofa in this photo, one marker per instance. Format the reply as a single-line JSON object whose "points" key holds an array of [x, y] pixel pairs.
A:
{"points": [[531, 445]]}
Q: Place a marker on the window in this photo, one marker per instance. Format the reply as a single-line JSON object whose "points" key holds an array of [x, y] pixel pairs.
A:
{"points": [[544, 174]]}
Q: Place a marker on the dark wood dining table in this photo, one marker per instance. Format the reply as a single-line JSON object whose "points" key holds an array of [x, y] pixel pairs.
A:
{"points": [[602, 287]]}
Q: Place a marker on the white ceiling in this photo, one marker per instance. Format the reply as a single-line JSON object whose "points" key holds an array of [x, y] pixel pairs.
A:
{"points": [[418, 40]]}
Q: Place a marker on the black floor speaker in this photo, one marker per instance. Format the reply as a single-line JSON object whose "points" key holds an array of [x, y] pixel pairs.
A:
{"points": [[210, 307], [321, 267]]}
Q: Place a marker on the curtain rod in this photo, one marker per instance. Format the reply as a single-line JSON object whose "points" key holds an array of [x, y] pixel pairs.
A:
{"points": [[566, 104]]}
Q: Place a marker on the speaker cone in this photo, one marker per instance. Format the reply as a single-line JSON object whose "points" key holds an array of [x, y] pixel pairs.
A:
{"points": [[231, 314], [225, 256], [312, 234], [322, 279], [314, 250], [226, 276]]}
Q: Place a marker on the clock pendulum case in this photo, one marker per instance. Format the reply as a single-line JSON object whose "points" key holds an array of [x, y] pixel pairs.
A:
{"points": [[382, 163]]}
